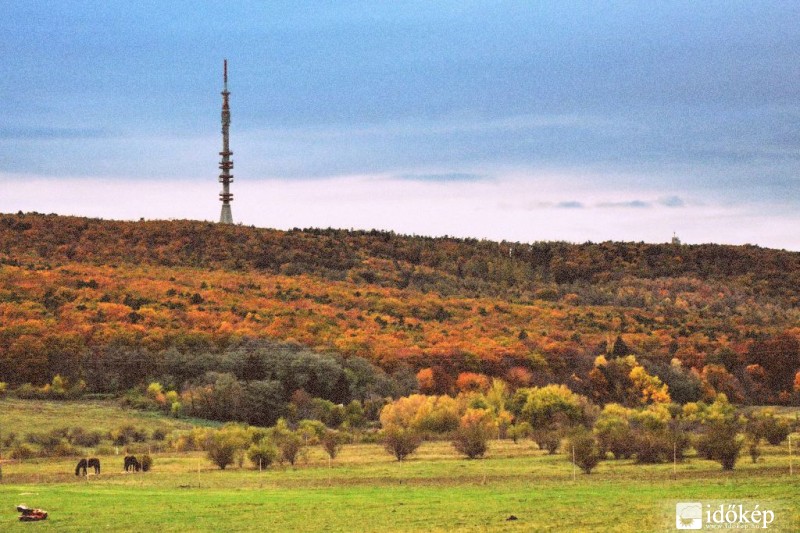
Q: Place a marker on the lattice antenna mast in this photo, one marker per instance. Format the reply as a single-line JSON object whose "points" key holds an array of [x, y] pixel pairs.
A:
{"points": [[225, 164]]}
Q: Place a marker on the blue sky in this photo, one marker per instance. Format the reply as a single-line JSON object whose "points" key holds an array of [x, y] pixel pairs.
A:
{"points": [[507, 120]]}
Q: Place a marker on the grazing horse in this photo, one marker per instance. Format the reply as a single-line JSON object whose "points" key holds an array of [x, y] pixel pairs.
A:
{"points": [[94, 463], [83, 464], [132, 464]]}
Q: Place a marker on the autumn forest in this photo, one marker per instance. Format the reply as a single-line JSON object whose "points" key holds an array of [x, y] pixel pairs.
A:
{"points": [[345, 315]]}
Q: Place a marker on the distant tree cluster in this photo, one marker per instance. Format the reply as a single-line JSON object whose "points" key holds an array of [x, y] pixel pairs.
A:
{"points": [[560, 420]]}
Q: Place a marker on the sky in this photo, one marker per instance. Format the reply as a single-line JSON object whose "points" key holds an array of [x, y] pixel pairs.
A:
{"points": [[521, 121]]}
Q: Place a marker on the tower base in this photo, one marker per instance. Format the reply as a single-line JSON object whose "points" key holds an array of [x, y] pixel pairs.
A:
{"points": [[225, 217]]}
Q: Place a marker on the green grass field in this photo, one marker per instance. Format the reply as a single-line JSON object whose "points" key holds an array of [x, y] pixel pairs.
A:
{"points": [[364, 489]]}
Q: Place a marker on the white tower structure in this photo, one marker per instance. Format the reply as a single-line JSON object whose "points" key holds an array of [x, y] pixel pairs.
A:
{"points": [[225, 164]]}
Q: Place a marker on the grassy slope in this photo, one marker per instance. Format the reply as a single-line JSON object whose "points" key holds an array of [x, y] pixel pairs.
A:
{"points": [[365, 490], [25, 416]]}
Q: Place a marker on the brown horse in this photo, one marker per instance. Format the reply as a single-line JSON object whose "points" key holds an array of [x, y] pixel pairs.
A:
{"points": [[132, 464], [83, 464]]}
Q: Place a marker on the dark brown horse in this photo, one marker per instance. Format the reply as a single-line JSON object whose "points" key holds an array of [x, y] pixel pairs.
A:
{"points": [[80, 470], [94, 463], [132, 464]]}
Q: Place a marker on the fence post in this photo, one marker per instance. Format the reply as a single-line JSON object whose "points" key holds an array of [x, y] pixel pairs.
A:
{"points": [[573, 463], [674, 460]]}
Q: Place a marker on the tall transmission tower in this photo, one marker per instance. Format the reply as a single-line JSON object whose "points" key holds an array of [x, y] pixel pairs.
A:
{"points": [[225, 164]]}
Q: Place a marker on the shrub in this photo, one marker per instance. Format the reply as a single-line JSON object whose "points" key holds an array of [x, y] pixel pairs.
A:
{"points": [[721, 443], [519, 430], [401, 442], [583, 450], [289, 442], [26, 391], [433, 414], [126, 434], [183, 443], [332, 443], [720, 440], [225, 445], [613, 432], [221, 450], [547, 439], [10, 439], [372, 436], [776, 430], [553, 404], [62, 449], [311, 431], [651, 446], [475, 429], [754, 449], [87, 439], [48, 439], [22, 451], [159, 434], [262, 454], [104, 449], [290, 445], [765, 425]]}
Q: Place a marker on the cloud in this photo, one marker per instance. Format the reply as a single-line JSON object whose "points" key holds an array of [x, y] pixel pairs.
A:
{"points": [[449, 177], [47, 133], [499, 209], [671, 201], [569, 204], [636, 204]]}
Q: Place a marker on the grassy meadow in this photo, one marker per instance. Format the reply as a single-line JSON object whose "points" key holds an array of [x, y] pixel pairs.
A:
{"points": [[364, 489]]}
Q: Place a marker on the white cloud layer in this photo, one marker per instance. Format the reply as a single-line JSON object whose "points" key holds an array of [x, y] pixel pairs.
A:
{"points": [[513, 207]]}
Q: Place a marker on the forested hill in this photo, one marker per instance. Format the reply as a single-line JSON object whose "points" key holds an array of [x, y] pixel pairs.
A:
{"points": [[445, 264], [702, 318]]}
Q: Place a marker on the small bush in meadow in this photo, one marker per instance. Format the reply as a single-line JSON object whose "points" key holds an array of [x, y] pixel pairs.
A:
{"points": [[519, 431], [614, 433], [721, 443], [10, 439], [332, 442], [475, 428], [221, 450], [776, 430], [290, 445], [88, 439], [262, 454], [658, 446], [49, 439], [765, 425], [26, 391], [401, 442], [104, 449], [583, 449], [754, 449], [22, 451], [547, 439], [62, 449]]}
